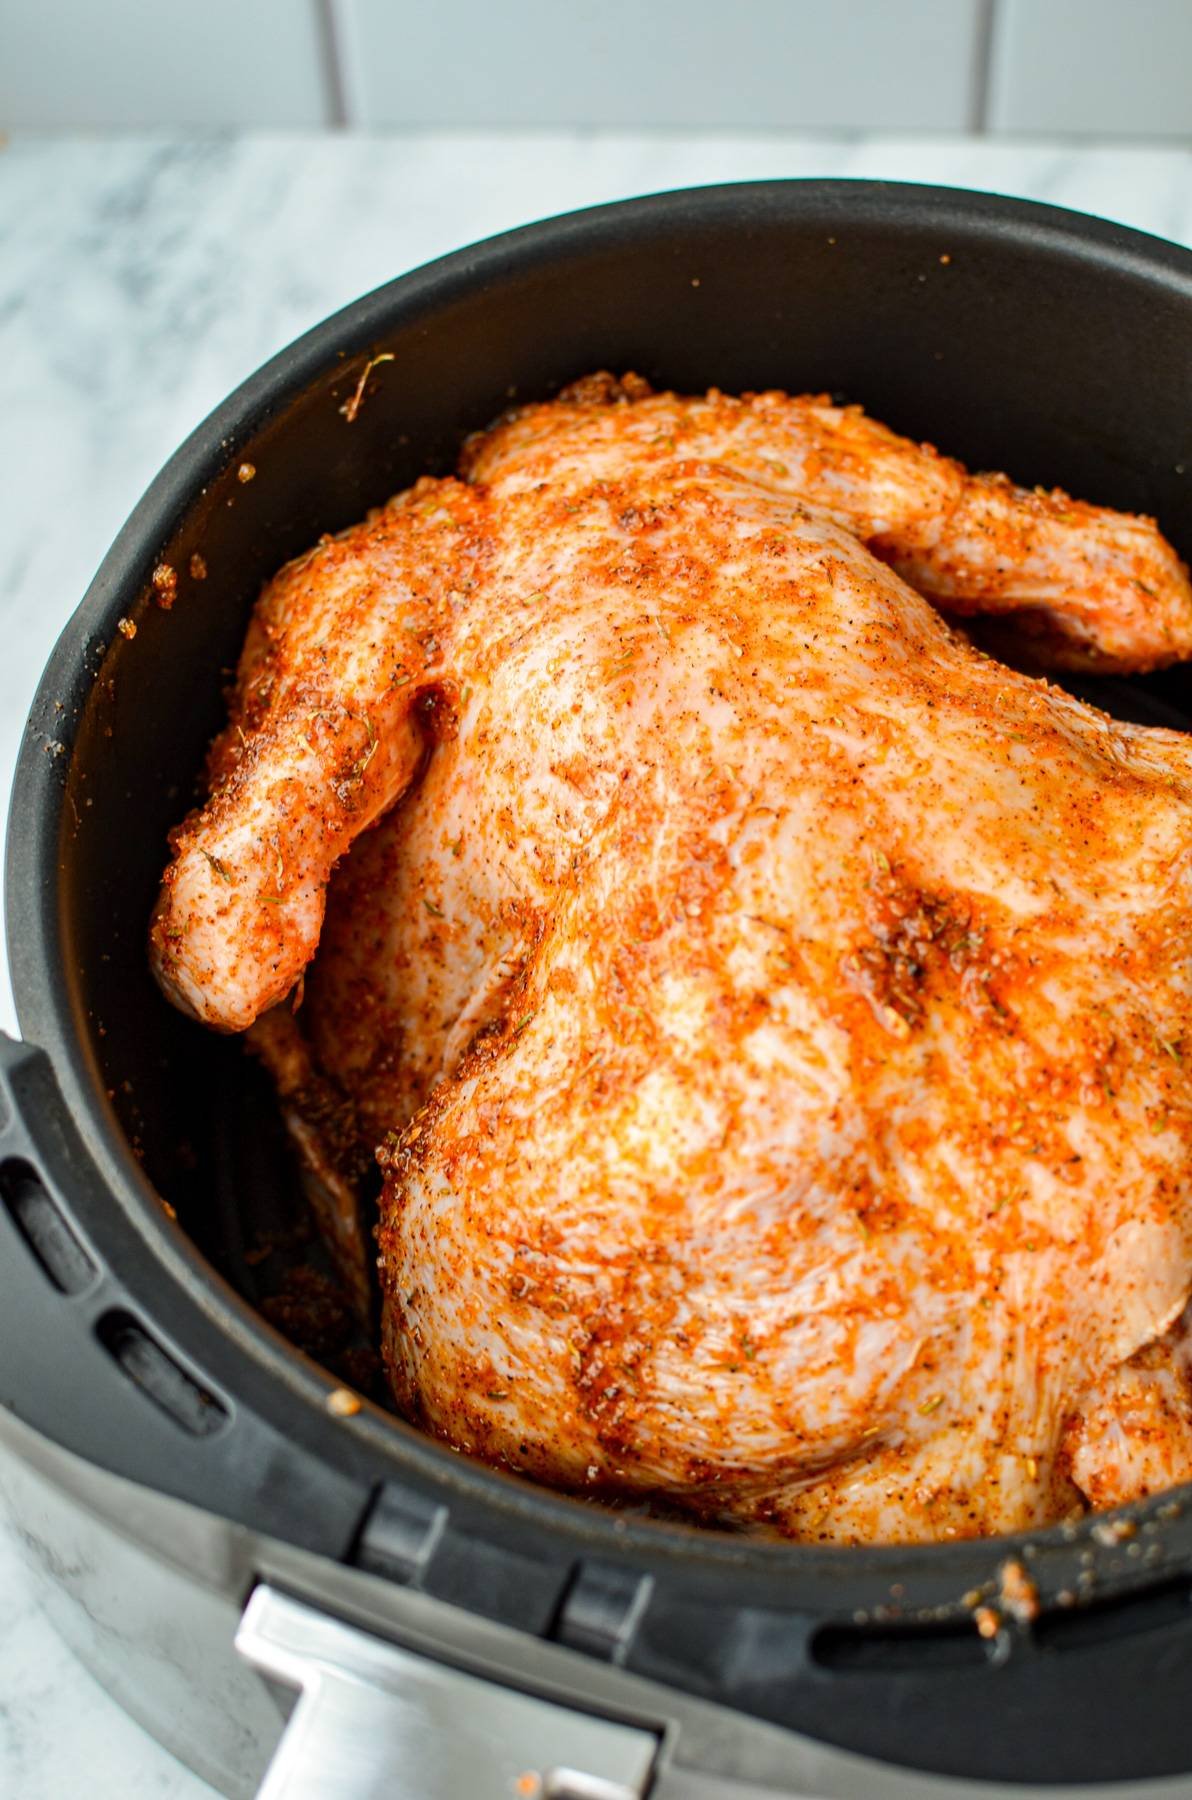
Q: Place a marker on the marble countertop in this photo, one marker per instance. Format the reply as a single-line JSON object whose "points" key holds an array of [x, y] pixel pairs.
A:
{"points": [[141, 278]]}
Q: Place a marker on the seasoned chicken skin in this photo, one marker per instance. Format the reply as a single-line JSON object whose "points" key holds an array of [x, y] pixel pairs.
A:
{"points": [[772, 1012]]}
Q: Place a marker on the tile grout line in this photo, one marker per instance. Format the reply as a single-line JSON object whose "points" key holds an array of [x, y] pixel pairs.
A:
{"points": [[986, 28], [329, 24]]}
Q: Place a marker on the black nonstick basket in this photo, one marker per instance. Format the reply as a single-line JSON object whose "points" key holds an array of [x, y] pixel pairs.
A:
{"points": [[139, 1155]]}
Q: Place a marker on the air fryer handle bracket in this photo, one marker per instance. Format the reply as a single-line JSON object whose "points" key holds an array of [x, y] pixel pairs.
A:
{"points": [[76, 1355], [94, 1355], [374, 1720]]}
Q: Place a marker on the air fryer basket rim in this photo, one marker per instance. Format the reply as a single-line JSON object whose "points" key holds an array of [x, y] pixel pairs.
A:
{"points": [[41, 982]]}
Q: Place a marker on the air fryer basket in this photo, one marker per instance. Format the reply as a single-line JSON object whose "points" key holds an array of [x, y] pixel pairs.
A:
{"points": [[141, 1156]]}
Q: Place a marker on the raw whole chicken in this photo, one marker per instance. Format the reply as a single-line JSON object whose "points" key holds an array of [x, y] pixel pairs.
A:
{"points": [[772, 1015]]}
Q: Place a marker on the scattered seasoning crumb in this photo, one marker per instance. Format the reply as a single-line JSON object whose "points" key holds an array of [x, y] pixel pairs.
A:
{"points": [[894, 1022], [945, 259], [987, 1621], [528, 1786], [126, 627], [165, 585], [1114, 1531], [1019, 1595], [246, 472], [351, 407], [168, 1210], [695, 281], [198, 567], [972, 1599], [343, 1403]]}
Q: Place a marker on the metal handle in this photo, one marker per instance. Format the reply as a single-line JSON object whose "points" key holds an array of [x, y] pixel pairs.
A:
{"points": [[374, 1720]]}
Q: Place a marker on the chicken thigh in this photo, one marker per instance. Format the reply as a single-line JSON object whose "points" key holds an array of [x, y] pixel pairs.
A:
{"points": [[772, 1013]]}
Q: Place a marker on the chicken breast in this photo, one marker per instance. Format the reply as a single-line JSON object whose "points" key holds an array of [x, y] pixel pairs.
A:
{"points": [[771, 1011]]}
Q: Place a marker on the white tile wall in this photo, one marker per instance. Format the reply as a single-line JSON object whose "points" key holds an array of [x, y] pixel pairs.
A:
{"points": [[1097, 67], [164, 62], [1104, 68], [808, 63]]}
